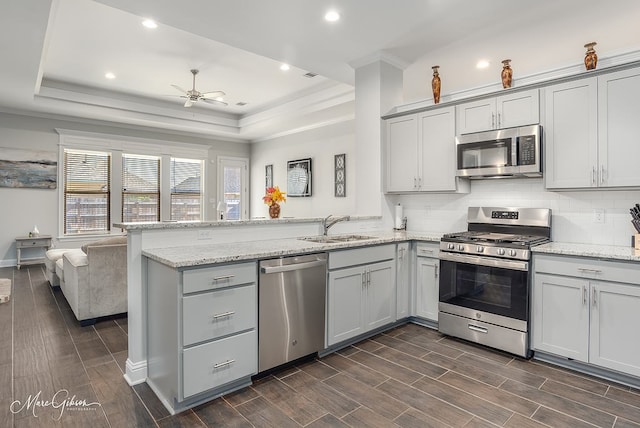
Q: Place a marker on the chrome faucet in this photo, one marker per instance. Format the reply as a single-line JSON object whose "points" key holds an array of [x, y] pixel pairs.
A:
{"points": [[330, 221]]}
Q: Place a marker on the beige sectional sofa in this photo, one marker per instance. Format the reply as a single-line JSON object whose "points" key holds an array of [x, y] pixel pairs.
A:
{"points": [[93, 279]]}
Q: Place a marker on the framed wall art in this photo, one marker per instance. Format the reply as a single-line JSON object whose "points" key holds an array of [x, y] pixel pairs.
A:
{"points": [[340, 175], [268, 176], [28, 169], [299, 178]]}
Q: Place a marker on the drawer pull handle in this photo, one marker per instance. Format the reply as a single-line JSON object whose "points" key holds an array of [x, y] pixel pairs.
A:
{"points": [[222, 278], [592, 271], [223, 315], [478, 329], [226, 363]]}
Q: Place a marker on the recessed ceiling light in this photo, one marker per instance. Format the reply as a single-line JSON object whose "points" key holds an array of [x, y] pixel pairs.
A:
{"points": [[150, 23], [332, 16], [483, 63], [285, 67], [110, 75]]}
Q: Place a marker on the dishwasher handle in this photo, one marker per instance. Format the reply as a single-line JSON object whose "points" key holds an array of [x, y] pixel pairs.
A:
{"points": [[294, 266]]}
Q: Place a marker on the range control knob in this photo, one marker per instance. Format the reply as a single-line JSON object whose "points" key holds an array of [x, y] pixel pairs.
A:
{"points": [[451, 246], [460, 247], [513, 253], [500, 251], [479, 248]]}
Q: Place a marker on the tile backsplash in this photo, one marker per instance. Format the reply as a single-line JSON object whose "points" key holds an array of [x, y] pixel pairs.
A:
{"points": [[573, 213]]}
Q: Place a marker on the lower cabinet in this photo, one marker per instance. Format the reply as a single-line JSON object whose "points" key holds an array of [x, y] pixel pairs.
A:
{"points": [[587, 310], [403, 281], [202, 331], [427, 278], [361, 293]]}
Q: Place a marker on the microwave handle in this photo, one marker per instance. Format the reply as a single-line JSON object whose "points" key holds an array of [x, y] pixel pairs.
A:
{"points": [[515, 146]]}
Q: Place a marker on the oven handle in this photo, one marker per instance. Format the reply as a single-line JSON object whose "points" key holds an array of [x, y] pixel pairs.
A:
{"points": [[485, 261]]}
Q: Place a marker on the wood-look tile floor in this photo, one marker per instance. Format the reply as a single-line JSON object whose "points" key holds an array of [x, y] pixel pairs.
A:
{"points": [[409, 376]]}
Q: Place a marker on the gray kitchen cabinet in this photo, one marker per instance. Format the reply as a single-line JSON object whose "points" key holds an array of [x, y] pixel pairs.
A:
{"points": [[587, 310], [571, 134], [427, 281], [420, 153], [588, 124], [361, 293], [504, 111], [403, 279], [202, 331]]}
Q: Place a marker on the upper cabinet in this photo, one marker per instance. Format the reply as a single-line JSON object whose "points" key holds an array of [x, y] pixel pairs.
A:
{"points": [[505, 111], [420, 153], [588, 127]]}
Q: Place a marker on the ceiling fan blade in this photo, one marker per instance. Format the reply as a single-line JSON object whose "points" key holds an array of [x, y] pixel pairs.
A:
{"points": [[212, 94], [210, 101], [189, 103], [179, 89]]}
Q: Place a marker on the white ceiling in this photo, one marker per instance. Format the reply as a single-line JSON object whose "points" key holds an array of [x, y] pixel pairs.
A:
{"points": [[56, 53]]}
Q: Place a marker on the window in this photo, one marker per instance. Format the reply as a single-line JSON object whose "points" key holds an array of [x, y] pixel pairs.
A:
{"points": [[186, 188], [140, 188], [87, 192], [232, 187]]}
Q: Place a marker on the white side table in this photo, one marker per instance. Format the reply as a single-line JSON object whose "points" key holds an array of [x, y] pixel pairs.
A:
{"points": [[40, 241]]}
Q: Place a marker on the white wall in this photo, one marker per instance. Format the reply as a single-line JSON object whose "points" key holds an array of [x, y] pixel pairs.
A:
{"points": [[21, 209], [321, 145], [572, 212]]}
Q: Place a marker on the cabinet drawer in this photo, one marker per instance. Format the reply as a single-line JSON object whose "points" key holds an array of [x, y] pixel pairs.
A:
{"points": [[214, 364], [214, 277], [424, 249], [591, 269], [33, 243], [359, 256], [218, 313]]}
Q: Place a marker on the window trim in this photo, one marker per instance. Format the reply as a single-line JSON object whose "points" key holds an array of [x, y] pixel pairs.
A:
{"points": [[116, 145]]}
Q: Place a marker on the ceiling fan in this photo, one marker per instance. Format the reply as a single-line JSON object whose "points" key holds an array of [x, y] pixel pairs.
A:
{"points": [[193, 95]]}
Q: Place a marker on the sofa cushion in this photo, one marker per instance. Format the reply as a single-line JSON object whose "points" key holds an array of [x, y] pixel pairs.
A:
{"points": [[60, 269], [52, 256], [116, 240], [77, 257]]}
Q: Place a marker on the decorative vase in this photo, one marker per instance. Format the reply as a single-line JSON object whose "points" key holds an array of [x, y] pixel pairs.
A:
{"points": [[590, 57], [435, 84], [274, 210], [507, 74]]}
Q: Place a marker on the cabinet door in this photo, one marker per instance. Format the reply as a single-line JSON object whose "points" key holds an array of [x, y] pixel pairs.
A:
{"points": [[560, 316], [345, 304], [518, 109], [615, 317], [476, 116], [401, 148], [427, 288], [402, 280], [570, 135], [437, 150], [380, 295], [619, 128]]}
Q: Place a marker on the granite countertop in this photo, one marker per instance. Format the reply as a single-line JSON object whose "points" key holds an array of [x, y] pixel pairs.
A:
{"points": [[183, 256], [159, 225], [608, 252]]}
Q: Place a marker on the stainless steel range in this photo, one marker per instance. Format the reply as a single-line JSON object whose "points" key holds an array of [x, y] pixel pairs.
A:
{"points": [[485, 276]]}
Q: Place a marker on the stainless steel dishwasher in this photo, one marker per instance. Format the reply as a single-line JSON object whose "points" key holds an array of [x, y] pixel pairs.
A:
{"points": [[291, 311]]}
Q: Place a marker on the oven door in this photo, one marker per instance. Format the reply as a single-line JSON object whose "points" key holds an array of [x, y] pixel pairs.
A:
{"points": [[489, 285]]}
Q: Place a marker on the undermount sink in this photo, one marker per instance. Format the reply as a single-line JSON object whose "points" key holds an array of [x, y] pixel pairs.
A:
{"points": [[336, 238]]}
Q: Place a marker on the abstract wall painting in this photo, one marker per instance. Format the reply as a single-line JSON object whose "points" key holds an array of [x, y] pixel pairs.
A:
{"points": [[28, 169]]}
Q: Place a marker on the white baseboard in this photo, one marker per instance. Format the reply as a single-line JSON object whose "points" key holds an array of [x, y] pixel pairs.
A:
{"points": [[136, 372]]}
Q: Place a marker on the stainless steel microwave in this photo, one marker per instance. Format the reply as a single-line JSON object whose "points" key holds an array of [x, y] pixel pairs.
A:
{"points": [[512, 152]]}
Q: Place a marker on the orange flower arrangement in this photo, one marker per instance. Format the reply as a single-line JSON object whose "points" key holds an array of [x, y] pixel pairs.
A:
{"points": [[274, 196]]}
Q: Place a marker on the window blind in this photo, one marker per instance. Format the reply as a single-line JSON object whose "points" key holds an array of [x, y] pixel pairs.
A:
{"points": [[86, 191], [186, 185], [140, 188]]}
